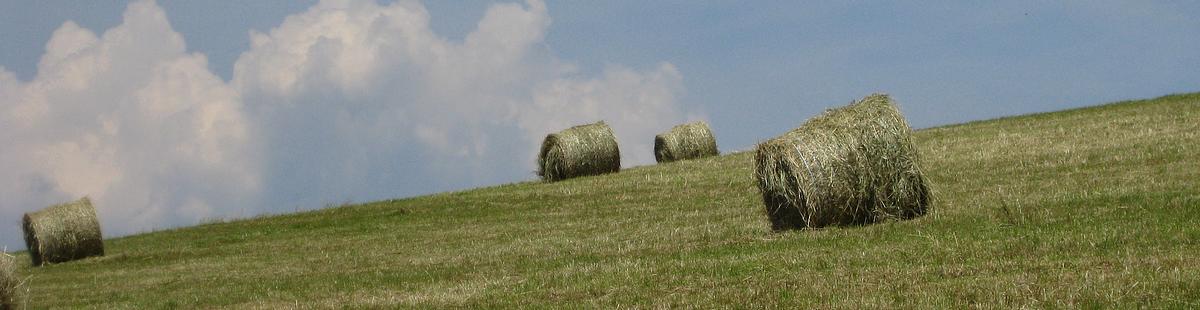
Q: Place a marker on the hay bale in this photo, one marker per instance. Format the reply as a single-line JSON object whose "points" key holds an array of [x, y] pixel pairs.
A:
{"points": [[63, 233], [687, 141], [8, 281], [579, 151], [851, 165]]}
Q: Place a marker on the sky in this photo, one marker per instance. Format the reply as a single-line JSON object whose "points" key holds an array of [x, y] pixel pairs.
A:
{"points": [[174, 113]]}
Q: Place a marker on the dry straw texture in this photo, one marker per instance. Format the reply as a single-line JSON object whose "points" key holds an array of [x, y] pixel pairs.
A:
{"points": [[8, 281], [63, 233], [851, 165], [687, 141], [578, 151]]}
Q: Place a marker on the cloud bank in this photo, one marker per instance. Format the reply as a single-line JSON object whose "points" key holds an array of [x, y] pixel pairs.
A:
{"points": [[350, 100]]}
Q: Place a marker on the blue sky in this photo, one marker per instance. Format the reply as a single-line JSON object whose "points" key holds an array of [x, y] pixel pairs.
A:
{"points": [[447, 95]]}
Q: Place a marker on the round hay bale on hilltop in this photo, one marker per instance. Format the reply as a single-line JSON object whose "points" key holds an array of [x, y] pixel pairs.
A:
{"points": [[687, 141], [63, 233], [8, 281], [579, 151], [850, 165]]}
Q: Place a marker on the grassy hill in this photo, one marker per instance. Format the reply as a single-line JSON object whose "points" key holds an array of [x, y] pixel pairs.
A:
{"points": [[1093, 206]]}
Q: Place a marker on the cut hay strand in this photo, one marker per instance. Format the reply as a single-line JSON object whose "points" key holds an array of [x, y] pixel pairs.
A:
{"points": [[8, 281], [579, 151], [62, 233], [850, 165], [687, 141]]}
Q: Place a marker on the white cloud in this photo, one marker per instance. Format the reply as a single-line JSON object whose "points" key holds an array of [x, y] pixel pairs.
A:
{"points": [[376, 82], [348, 100], [129, 119]]}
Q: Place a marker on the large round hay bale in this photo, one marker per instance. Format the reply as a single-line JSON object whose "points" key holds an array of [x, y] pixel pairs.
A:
{"points": [[687, 141], [8, 281], [851, 165], [579, 151], [63, 233]]}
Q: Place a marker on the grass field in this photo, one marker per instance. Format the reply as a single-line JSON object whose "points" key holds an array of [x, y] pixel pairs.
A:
{"points": [[1089, 207]]}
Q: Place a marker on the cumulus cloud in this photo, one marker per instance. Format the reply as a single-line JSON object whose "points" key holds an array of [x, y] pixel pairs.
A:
{"points": [[128, 118], [376, 99], [347, 100]]}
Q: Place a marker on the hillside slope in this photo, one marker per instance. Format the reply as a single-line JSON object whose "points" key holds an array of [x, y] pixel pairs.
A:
{"points": [[1098, 205]]}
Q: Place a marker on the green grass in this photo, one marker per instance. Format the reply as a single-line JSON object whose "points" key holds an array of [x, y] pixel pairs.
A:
{"points": [[1090, 207]]}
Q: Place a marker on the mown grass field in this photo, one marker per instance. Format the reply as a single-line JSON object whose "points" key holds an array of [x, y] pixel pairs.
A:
{"points": [[1089, 207]]}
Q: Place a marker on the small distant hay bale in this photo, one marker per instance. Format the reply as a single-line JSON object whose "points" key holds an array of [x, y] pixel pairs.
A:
{"points": [[62, 233], [579, 151], [683, 142], [850, 165], [8, 281]]}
